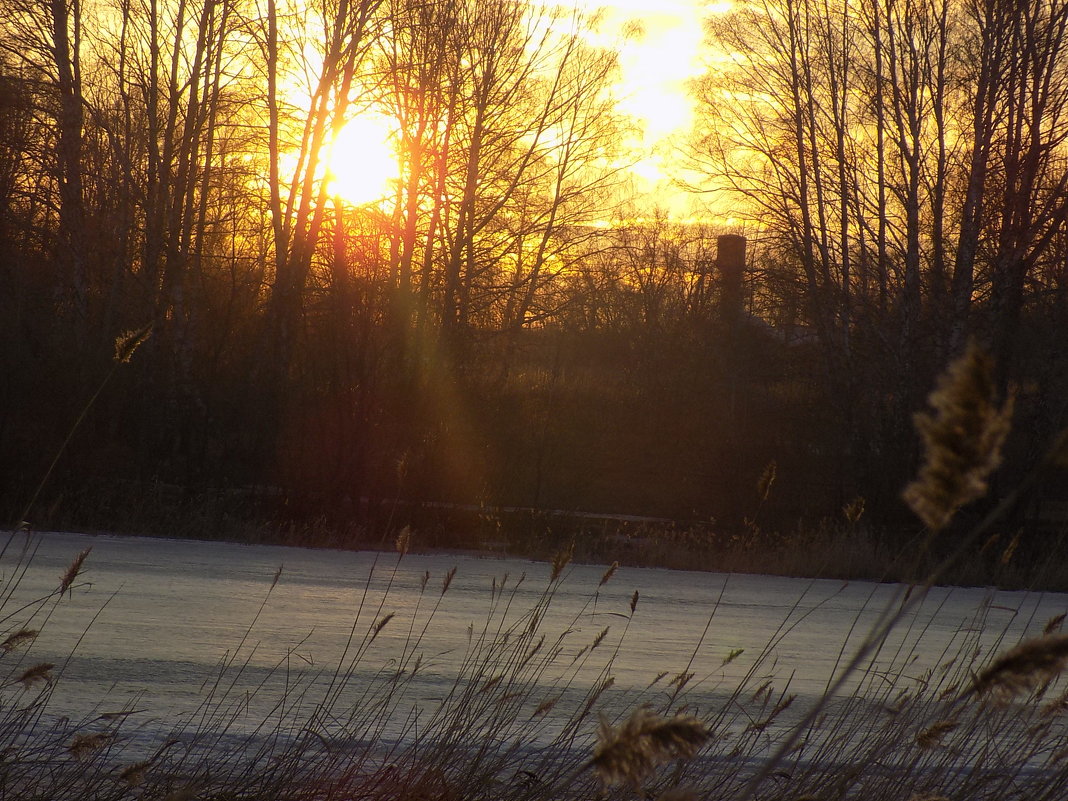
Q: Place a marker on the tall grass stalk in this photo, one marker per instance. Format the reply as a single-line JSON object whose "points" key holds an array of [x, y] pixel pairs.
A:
{"points": [[125, 346]]}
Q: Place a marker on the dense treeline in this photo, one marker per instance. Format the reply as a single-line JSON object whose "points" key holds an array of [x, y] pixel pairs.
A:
{"points": [[499, 331], [906, 162]]}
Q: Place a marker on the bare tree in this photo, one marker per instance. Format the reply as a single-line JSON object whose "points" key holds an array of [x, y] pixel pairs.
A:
{"points": [[47, 38], [506, 134], [299, 201], [889, 144]]}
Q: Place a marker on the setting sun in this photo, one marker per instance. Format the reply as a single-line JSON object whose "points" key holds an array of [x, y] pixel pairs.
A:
{"points": [[363, 162]]}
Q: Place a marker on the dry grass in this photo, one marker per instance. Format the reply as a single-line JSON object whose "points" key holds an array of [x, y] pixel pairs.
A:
{"points": [[518, 723]]}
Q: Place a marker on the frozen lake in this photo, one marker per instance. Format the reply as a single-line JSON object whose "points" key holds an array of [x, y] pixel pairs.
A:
{"points": [[157, 626]]}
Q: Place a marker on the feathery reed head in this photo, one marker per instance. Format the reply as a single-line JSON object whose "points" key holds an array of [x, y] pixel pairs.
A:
{"points": [[545, 707], [72, 571], [134, 775], [630, 752], [611, 571], [84, 746], [18, 639], [933, 734], [854, 510], [561, 559], [1026, 667], [600, 637], [404, 539], [129, 341], [381, 624], [767, 478], [447, 581], [1010, 549], [962, 440], [41, 672]]}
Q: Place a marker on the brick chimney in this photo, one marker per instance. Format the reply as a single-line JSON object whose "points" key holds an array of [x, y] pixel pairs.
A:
{"points": [[730, 261]]}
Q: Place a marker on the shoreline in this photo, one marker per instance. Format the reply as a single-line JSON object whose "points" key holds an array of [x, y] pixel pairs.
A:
{"points": [[818, 557]]}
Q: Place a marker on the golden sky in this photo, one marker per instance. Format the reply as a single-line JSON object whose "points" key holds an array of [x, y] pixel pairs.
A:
{"points": [[661, 47], [660, 44]]}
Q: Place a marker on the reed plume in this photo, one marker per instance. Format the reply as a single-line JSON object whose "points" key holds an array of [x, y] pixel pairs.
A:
{"points": [[404, 540], [767, 479], [561, 559], [447, 581], [611, 571], [134, 775], [1026, 667], [84, 746], [72, 571], [41, 672], [854, 510], [600, 637], [129, 341], [962, 440], [18, 639], [732, 655], [629, 753], [381, 624], [933, 734], [545, 707]]}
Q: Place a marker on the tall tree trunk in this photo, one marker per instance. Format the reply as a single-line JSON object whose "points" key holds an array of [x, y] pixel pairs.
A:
{"points": [[66, 42]]}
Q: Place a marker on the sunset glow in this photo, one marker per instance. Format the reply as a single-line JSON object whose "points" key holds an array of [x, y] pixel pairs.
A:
{"points": [[661, 49], [756, 305]]}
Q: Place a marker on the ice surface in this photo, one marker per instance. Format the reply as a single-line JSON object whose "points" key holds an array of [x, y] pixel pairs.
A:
{"points": [[150, 624]]}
